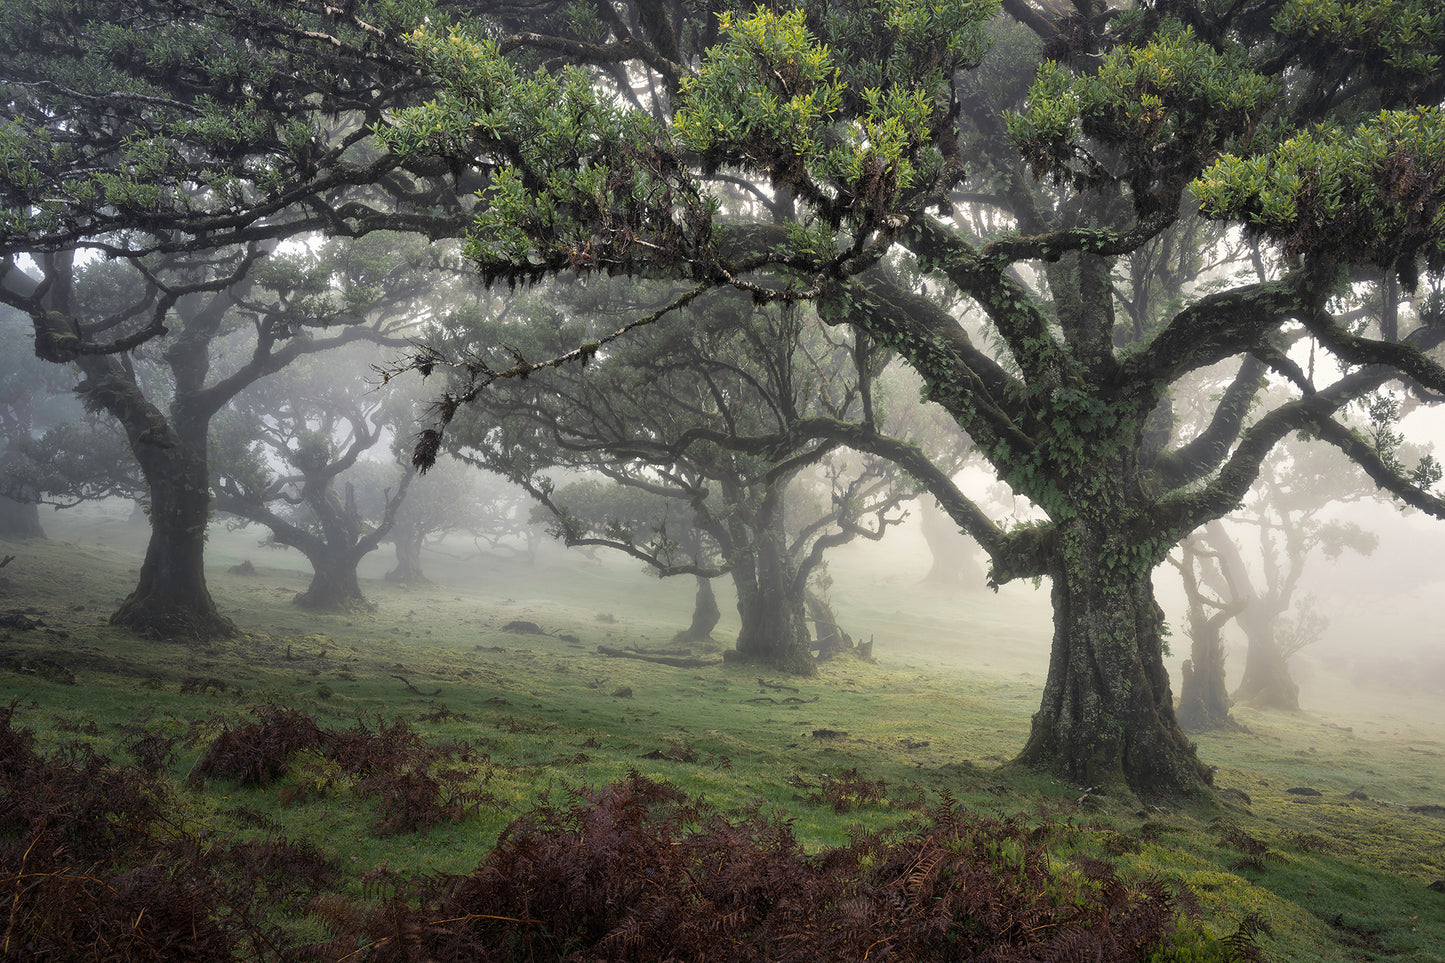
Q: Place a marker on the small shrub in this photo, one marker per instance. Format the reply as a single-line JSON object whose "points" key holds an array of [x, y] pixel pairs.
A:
{"points": [[256, 754]]}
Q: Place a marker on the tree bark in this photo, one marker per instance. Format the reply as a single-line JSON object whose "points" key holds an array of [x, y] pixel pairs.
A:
{"points": [[334, 582], [771, 605], [1203, 697], [829, 636], [408, 538], [1267, 683], [1107, 716], [20, 519], [171, 597], [705, 614]]}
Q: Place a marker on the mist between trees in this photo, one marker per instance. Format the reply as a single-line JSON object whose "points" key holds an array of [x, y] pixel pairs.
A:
{"points": [[771, 273]]}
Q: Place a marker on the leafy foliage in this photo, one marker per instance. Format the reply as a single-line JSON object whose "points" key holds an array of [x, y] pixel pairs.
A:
{"points": [[1163, 104], [1368, 195]]}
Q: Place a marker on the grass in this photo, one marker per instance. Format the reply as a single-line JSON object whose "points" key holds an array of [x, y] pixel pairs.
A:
{"points": [[1342, 875]]}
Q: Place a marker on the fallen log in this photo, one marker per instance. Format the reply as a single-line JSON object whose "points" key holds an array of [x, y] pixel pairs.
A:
{"points": [[777, 686], [412, 688], [676, 663]]}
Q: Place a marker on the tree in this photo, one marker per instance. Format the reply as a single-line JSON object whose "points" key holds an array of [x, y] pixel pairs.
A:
{"points": [[235, 318], [138, 126], [955, 557], [699, 416], [1287, 516], [1087, 131], [83, 459], [452, 500], [169, 145], [313, 428], [1204, 701]]}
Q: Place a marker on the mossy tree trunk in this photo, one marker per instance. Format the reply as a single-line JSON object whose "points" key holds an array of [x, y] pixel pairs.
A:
{"points": [[1266, 683], [771, 593], [20, 520], [335, 585], [171, 597], [1203, 695], [827, 634], [334, 541], [1107, 715]]}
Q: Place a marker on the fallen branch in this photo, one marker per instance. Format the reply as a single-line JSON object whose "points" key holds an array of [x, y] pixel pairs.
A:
{"points": [[787, 701], [676, 663], [412, 688], [776, 686]]}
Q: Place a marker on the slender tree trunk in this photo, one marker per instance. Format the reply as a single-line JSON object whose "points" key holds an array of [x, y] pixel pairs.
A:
{"points": [[408, 539], [705, 614], [1267, 683], [1107, 717], [771, 605], [1203, 698], [19, 519]]}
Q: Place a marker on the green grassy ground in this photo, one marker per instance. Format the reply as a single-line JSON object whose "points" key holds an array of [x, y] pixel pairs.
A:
{"points": [[1342, 875]]}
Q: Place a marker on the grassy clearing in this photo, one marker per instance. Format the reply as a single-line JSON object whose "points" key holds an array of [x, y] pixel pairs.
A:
{"points": [[1342, 875]]}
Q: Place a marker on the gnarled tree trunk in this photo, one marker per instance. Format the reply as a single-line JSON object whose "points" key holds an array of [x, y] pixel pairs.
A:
{"points": [[408, 538], [705, 614], [171, 597], [1267, 683], [827, 634], [334, 582], [1203, 698], [1107, 716], [771, 605]]}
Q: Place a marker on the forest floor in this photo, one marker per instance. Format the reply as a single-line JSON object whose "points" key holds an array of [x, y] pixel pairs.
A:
{"points": [[1330, 831]]}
